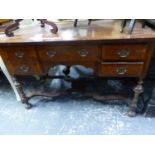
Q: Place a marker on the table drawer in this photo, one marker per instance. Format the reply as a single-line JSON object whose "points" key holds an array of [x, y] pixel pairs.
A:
{"points": [[124, 52], [21, 53], [24, 68], [121, 69], [68, 53]]}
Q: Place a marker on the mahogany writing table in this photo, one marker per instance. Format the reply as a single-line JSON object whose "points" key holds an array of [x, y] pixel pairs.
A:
{"points": [[100, 46]]}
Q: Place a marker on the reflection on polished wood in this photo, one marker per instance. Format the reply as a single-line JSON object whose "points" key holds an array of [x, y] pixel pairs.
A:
{"points": [[98, 30]]}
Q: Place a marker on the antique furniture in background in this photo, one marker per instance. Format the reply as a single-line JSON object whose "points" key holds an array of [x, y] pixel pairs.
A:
{"points": [[104, 49], [149, 22], [89, 21], [76, 21], [10, 25]]}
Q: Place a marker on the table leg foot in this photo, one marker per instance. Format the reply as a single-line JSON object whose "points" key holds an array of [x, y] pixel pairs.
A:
{"points": [[133, 104], [131, 113], [28, 106]]}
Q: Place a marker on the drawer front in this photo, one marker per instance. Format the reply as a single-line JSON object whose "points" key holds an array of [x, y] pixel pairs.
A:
{"points": [[21, 53], [121, 69], [68, 53], [24, 68], [124, 52]]}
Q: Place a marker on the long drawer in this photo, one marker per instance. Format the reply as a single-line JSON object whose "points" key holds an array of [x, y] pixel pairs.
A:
{"points": [[121, 69], [69, 53], [126, 52]]}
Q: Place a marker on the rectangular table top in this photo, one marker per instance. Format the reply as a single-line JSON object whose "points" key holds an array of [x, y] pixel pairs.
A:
{"points": [[98, 30]]}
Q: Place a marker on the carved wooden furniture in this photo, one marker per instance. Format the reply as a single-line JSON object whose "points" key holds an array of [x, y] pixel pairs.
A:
{"points": [[10, 25], [76, 21], [109, 53], [149, 22], [89, 21]]}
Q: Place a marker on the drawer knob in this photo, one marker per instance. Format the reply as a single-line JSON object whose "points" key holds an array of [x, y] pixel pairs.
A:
{"points": [[83, 52], [24, 68], [51, 53], [19, 54], [121, 70], [123, 53]]}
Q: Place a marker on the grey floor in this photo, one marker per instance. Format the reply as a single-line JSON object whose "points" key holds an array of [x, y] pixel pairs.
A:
{"points": [[70, 114]]}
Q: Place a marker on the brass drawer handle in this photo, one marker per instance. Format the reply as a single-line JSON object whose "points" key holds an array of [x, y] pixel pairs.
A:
{"points": [[121, 70], [83, 52], [123, 53], [19, 54], [24, 68], [51, 53]]}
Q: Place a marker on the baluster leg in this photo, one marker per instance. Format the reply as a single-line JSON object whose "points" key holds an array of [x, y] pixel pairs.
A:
{"points": [[131, 25], [133, 104], [21, 93], [123, 24], [89, 21], [143, 24], [75, 22]]}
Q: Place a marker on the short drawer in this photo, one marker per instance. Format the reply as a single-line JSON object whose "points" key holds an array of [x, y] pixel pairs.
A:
{"points": [[68, 53], [124, 52], [24, 68], [121, 69], [21, 53]]}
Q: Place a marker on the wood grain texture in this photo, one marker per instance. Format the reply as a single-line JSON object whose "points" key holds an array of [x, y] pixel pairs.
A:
{"points": [[121, 69], [20, 53], [68, 53], [102, 30], [124, 52]]}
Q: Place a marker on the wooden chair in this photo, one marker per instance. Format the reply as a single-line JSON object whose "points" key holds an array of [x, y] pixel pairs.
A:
{"points": [[148, 22], [89, 21]]}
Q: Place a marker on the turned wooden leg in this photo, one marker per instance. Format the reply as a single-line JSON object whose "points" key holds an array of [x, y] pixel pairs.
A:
{"points": [[137, 91], [8, 76], [89, 21], [75, 22], [123, 24], [23, 97], [131, 25], [143, 24], [42, 24]]}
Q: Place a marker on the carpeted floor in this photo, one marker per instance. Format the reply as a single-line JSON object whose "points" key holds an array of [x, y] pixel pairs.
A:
{"points": [[72, 114]]}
